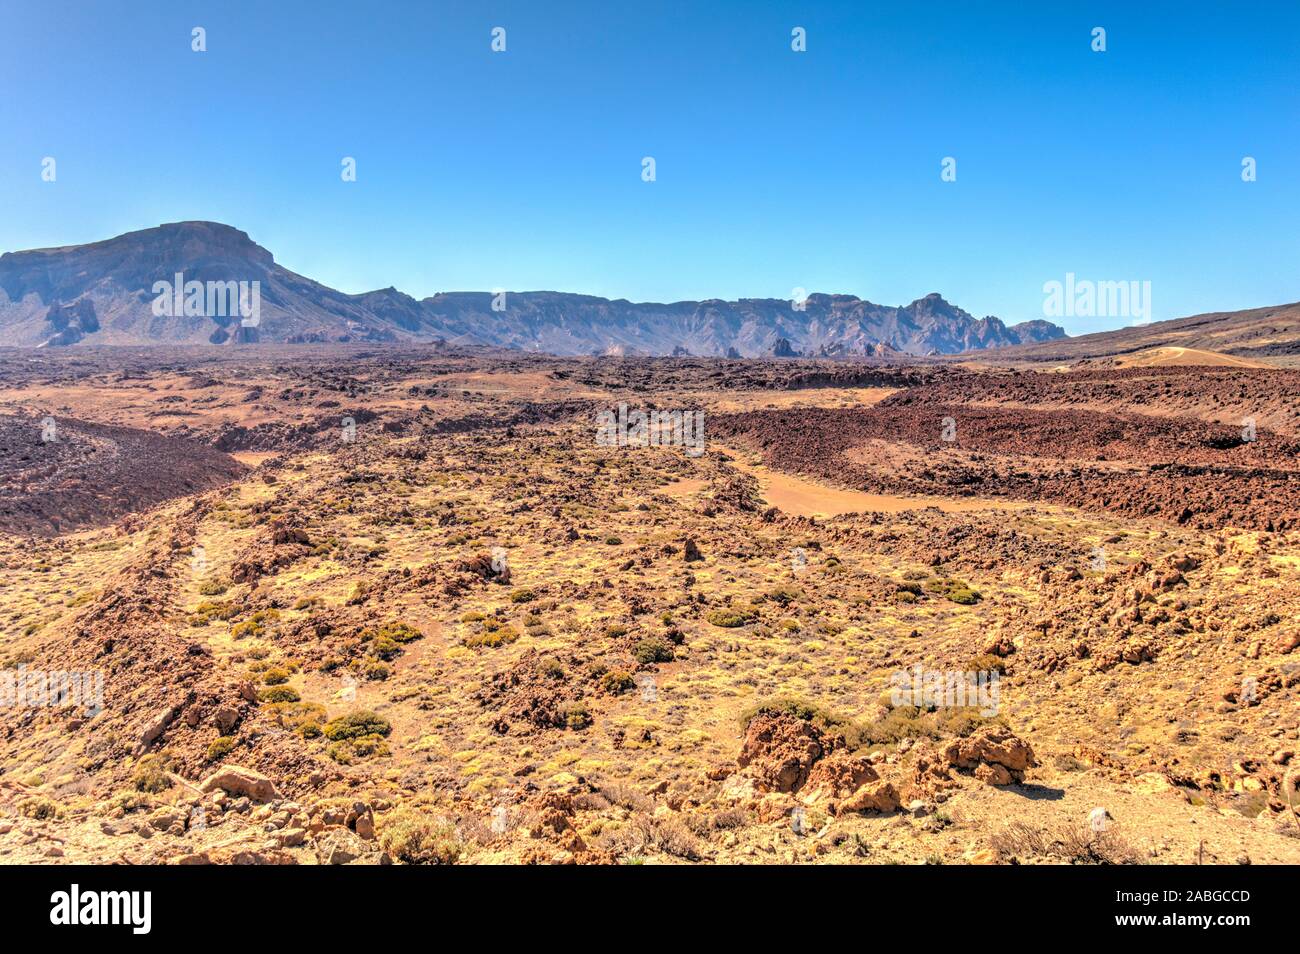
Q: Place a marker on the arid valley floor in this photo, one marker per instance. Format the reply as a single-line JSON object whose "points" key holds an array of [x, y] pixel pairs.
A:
{"points": [[398, 604]]}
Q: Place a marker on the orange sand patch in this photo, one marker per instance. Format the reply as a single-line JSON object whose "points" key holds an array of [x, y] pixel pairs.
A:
{"points": [[253, 458], [802, 497]]}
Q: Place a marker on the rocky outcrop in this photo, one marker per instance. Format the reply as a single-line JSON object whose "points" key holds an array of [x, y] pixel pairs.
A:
{"points": [[283, 542], [996, 755], [485, 568], [848, 783], [779, 751], [59, 474], [785, 759]]}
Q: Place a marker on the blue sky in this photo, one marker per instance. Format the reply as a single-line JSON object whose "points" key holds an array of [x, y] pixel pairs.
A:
{"points": [[775, 169]]}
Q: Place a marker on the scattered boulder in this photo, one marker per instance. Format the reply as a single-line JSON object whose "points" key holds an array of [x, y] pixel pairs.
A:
{"points": [[873, 797], [226, 718], [287, 531], [999, 645], [342, 846], [485, 569], [361, 819], [155, 728]]}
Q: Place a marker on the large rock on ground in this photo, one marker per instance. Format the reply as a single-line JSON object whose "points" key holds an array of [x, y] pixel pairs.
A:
{"points": [[237, 780], [155, 728], [848, 783], [286, 530], [995, 753], [836, 776], [872, 797], [780, 750], [339, 846]]}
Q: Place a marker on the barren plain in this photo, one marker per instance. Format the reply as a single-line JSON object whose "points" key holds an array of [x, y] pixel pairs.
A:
{"points": [[399, 605]]}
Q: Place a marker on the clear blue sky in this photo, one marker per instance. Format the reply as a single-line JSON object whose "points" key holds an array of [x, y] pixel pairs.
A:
{"points": [[775, 169]]}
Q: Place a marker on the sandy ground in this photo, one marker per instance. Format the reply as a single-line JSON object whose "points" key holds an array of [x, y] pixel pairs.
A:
{"points": [[802, 397], [1182, 357]]}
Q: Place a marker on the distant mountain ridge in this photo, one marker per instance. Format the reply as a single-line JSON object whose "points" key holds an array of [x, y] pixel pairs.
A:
{"points": [[102, 293]]}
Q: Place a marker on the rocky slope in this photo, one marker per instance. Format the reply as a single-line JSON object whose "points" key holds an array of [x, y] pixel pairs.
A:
{"points": [[1271, 334], [60, 473], [102, 293]]}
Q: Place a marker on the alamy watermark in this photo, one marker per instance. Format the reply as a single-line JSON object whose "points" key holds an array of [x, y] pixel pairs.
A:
{"points": [[131, 908], [1084, 298], [35, 687], [946, 689], [210, 299], [655, 428]]}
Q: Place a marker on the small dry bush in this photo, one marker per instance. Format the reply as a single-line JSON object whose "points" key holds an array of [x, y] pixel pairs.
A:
{"points": [[1072, 844], [644, 833], [151, 775], [705, 824], [625, 796], [418, 838]]}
